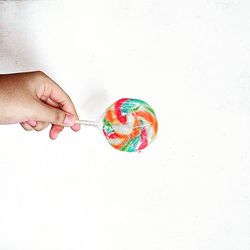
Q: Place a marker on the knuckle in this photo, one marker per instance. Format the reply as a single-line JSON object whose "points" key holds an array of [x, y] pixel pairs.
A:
{"points": [[26, 127], [41, 126], [38, 128], [35, 79], [39, 75], [59, 116]]}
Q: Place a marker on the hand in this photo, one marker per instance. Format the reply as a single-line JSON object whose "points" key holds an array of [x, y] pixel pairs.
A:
{"points": [[35, 101]]}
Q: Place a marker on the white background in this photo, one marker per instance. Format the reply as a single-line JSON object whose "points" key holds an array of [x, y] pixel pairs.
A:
{"points": [[191, 188]]}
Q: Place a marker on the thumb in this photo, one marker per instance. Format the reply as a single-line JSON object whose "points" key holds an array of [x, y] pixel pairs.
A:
{"points": [[54, 115]]}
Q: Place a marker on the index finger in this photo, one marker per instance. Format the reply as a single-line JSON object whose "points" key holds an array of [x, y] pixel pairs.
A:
{"points": [[59, 96]]}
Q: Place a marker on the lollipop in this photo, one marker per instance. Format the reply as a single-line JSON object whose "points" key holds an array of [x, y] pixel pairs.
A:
{"points": [[129, 124]]}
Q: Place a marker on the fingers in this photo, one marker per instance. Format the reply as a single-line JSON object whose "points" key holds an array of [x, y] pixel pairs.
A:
{"points": [[56, 97], [53, 106], [33, 125], [44, 115], [56, 116], [49, 101], [54, 131], [65, 104], [41, 126], [26, 126]]}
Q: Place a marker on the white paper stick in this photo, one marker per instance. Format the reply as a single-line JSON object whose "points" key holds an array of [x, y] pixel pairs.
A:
{"points": [[87, 123]]}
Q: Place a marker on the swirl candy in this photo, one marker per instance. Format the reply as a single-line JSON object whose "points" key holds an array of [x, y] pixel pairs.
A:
{"points": [[129, 124]]}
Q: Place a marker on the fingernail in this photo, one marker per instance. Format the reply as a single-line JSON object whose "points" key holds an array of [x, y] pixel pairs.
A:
{"points": [[69, 120], [76, 127], [32, 123], [54, 137]]}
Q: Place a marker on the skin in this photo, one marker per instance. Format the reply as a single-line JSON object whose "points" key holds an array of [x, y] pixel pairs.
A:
{"points": [[36, 101]]}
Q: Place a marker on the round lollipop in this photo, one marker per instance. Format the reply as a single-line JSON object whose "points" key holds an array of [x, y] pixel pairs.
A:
{"points": [[128, 124]]}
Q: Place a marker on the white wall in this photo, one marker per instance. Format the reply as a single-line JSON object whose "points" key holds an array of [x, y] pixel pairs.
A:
{"points": [[190, 189]]}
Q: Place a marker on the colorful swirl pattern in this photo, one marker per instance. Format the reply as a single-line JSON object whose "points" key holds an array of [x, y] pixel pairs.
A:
{"points": [[130, 125]]}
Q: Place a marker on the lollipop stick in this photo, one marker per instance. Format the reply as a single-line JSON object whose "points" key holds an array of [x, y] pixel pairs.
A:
{"points": [[87, 123]]}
